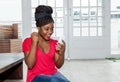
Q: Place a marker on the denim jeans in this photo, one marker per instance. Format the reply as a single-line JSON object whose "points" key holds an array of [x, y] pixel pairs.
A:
{"points": [[57, 77]]}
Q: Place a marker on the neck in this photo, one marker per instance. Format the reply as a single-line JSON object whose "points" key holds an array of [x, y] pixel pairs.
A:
{"points": [[42, 39]]}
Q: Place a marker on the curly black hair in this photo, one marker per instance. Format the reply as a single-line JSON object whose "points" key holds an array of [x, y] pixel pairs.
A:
{"points": [[43, 15]]}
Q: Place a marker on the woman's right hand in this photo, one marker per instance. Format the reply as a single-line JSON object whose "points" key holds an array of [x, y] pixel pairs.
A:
{"points": [[34, 37]]}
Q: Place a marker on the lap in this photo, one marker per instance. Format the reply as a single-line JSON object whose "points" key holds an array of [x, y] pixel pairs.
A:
{"points": [[57, 77]]}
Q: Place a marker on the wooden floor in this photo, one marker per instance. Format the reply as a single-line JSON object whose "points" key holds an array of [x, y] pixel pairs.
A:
{"points": [[88, 71]]}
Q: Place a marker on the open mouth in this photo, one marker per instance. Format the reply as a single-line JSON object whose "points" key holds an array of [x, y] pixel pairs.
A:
{"points": [[48, 37]]}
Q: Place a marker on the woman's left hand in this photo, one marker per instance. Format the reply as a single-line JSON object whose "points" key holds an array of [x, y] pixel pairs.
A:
{"points": [[59, 55], [60, 48]]}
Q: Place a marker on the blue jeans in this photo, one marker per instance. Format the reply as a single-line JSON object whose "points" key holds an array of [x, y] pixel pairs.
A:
{"points": [[57, 77]]}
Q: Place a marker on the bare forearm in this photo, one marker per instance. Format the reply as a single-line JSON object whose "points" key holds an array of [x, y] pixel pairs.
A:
{"points": [[31, 57], [60, 61], [59, 55]]}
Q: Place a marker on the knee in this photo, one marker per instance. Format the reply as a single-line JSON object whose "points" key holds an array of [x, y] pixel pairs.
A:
{"points": [[53, 79]]}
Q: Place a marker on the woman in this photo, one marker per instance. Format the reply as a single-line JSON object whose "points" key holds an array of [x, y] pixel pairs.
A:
{"points": [[43, 55]]}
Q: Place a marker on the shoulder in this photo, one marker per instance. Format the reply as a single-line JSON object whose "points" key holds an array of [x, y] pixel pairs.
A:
{"points": [[53, 41], [27, 40], [26, 44]]}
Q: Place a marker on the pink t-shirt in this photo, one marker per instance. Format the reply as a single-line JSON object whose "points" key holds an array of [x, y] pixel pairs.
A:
{"points": [[44, 61]]}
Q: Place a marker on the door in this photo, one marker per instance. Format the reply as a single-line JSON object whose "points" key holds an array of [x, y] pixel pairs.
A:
{"points": [[89, 29]]}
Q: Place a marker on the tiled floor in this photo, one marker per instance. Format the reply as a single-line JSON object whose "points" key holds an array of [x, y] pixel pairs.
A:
{"points": [[88, 71]]}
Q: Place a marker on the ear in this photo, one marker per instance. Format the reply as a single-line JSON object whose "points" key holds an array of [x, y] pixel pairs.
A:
{"points": [[38, 28]]}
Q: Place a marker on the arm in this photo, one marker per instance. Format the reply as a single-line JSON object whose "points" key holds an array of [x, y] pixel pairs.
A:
{"points": [[59, 55], [30, 56]]}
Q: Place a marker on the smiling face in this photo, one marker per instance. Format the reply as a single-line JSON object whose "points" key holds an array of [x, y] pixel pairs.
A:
{"points": [[46, 31]]}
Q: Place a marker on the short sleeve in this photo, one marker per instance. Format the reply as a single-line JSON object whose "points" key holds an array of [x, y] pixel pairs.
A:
{"points": [[26, 44], [54, 41]]}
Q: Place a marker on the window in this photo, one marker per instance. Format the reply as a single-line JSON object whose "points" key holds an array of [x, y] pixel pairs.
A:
{"points": [[87, 18], [58, 14]]}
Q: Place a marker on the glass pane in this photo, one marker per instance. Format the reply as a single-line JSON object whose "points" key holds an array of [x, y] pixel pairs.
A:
{"points": [[59, 32], [84, 2], [93, 11], [99, 31], [93, 31], [59, 12], [76, 24], [76, 11], [99, 2], [115, 15], [84, 23], [84, 31], [33, 24], [84, 19], [99, 11], [76, 31], [115, 5], [59, 3], [34, 3], [93, 19], [84, 11], [43, 2], [53, 14], [59, 25], [76, 3], [51, 3], [59, 20], [100, 24], [76, 14], [93, 24], [93, 2], [76, 20], [99, 19]]}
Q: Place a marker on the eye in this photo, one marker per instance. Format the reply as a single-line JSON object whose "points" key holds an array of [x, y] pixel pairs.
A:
{"points": [[52, 29], [46, 28]]}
